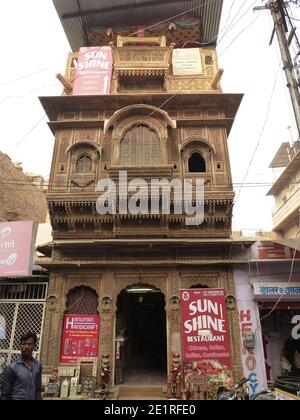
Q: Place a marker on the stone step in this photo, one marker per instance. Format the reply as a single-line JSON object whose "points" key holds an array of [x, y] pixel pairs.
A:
{"points": [[141, 392]]}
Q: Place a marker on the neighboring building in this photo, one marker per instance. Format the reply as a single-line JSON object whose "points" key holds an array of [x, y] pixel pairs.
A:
{"points": [[286, 191], [22, 299], [152, 124], [268, 291], [22, 195]]}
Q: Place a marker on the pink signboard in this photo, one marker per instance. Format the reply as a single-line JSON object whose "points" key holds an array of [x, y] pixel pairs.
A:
{"points": [[94, 71], [16, 248], [205, 333], [80, 337]]}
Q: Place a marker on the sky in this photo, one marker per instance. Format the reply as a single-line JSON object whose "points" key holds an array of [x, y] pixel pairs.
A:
{"points": [[37, 46]]}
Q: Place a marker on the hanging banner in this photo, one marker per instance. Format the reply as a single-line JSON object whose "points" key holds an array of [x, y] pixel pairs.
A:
{"points": [[94, 71], [187, 61], [80, 337], [205, 332], [17, 240]]}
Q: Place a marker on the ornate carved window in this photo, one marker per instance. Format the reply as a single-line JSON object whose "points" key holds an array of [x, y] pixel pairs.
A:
{"points": [[82, 300], [197, 163], [140, 147], [84, 165]]}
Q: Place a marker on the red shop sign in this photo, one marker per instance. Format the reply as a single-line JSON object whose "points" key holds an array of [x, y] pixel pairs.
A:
{"points": [[205, 333], [80, 337]]}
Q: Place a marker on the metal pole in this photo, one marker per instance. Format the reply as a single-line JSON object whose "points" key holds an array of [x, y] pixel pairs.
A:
{"points": [[279, 23]]}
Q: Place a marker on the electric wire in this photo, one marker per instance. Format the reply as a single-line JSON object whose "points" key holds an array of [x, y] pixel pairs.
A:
{"points": [[260, 136]]}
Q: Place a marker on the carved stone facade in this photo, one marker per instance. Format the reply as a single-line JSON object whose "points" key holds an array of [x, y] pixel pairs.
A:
{"points": [[111, 282], [149, 136]]}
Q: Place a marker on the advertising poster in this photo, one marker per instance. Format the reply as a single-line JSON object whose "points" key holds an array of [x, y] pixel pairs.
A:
{"points": [[80, 337], [17, 241], [205, 332], [94, 71]]}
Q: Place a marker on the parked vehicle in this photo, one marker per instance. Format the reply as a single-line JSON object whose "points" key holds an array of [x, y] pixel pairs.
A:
{"points": [[238, 392], [265, 395]]}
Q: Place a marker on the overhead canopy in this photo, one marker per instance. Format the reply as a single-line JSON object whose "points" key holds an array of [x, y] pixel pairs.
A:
{"points": [[83, 19]]}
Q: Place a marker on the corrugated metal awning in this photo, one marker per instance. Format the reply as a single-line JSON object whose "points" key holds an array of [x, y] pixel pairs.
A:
{"points": [[77, 16]]}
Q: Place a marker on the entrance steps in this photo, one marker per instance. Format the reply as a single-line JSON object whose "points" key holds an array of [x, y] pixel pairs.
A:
{"points": [[141, 392]]}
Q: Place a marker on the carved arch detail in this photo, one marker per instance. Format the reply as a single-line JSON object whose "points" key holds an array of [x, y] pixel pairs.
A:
{"points": [[85, 144], [197, 142], [138, 109]]}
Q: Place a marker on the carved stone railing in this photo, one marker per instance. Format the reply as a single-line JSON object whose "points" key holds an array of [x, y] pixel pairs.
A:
{"points": [[135, 60]]}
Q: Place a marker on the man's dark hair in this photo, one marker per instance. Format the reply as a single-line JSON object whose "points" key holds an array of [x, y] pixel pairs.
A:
{"points": [[27, 336]]}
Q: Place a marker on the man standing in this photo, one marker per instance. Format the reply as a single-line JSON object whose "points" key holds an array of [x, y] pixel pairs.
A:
{"points": [[23, 378]]}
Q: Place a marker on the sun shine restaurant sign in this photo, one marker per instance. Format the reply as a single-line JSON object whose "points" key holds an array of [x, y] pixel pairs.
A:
{"points": [[94, 71], [205, 332]]}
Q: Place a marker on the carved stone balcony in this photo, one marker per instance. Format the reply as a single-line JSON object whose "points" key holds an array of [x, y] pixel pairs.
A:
{"points": [[135, 61]]}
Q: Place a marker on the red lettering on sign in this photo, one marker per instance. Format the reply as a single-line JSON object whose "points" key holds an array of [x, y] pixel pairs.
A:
{"points": [[245, 316], [272, 251]]}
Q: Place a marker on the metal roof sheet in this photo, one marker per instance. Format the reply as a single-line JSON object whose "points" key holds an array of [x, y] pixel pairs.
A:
{"points": [[78, 15]]}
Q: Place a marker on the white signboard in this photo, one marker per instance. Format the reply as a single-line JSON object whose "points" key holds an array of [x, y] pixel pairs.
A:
{"points": [[253, 360], [270, 291], [187, 61]]}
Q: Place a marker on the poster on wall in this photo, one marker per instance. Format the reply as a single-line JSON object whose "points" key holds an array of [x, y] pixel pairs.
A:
{"points": [[17, 240], [80, 337], [205, 333], [94, 71]]}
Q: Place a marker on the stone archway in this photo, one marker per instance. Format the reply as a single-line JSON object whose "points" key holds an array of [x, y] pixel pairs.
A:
{"points": [[141, 335]]}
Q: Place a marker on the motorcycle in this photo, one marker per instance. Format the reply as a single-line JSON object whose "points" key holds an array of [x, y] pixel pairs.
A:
{"points": [[238, 392], [265, 395]]}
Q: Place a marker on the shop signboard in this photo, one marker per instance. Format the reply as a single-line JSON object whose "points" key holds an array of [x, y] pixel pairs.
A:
{"points": [[271, 291], [253, 359], [94, 71], [272, 251], [187, 62], [205, 332], [80, 337], [17, 241]]}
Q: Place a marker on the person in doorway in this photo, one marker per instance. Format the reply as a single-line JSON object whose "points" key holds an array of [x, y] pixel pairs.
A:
{"points": [[23, 378]]}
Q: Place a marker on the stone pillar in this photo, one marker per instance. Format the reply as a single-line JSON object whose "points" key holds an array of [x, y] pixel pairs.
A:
{"points": [[173, 316]]}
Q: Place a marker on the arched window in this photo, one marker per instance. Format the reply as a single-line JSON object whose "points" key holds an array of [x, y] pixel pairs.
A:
{"points": [[84, 165], [208, 60], [140, 147], [197, 163], [82, 300]]}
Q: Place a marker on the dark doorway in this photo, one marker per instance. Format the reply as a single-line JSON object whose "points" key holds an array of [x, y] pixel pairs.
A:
{"points": [[141, 342]]}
